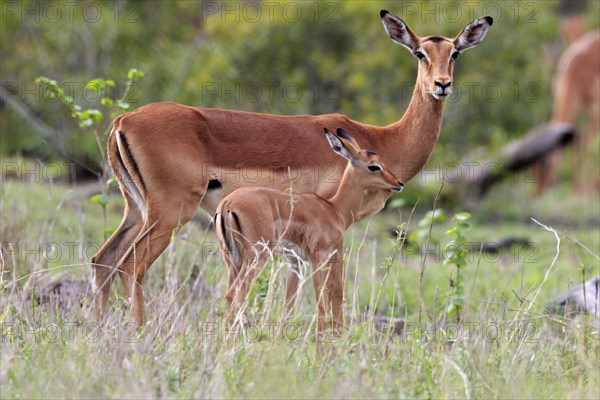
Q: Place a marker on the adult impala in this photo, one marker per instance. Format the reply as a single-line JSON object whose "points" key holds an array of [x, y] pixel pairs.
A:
{"points": [[170, 158], [576, 92], [251, 221]]}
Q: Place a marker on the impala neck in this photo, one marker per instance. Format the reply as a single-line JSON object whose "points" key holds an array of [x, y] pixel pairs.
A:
{"points": [[415, 135], [348, 199]]}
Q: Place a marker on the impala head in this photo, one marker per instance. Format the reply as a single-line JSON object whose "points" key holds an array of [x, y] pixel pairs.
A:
{"points": [[367, 168], [436, 54]]}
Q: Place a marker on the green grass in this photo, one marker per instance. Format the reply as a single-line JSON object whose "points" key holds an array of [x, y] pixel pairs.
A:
{"points": [[506, 346]]}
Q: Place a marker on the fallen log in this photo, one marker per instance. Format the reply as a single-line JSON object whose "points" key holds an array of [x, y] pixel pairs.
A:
{"points": [[65, 294], [584, 298], [537, 144]]}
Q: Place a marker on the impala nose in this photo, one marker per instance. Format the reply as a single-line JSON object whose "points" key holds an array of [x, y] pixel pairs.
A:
{"points": [[441, 88], [399, 188]]}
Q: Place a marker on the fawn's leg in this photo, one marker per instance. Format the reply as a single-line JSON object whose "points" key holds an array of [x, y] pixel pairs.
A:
{"points": [[236, 294]]}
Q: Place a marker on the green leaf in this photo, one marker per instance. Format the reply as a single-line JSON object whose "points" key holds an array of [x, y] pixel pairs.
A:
{"points": [[463, 216], [134, 75], [414, 236], [439, 215], [94, 114], [95, 84], [86, 123], [4, 314], [99, 198], [112, 181], [451, 310]]}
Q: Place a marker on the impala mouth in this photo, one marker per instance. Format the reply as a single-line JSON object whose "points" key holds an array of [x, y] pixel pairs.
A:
{"points": [[440, 94], [397, 189]]}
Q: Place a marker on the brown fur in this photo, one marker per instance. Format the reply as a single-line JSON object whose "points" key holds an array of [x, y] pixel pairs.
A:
{"points": [[576, 92], [178, 149], [251, 221]]}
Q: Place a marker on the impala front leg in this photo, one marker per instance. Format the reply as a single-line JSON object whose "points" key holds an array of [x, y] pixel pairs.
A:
{"points": [[322, 297], [103, 278], [336, 285], [323, 276]]}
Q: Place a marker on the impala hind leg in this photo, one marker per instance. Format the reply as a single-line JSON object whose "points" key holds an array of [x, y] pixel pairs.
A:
{"points": [[105, 261], [237, 293], [153, 239]]}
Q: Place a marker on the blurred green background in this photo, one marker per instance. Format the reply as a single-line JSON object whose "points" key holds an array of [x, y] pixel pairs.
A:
{"points": [[292, 57], [276, 57]]}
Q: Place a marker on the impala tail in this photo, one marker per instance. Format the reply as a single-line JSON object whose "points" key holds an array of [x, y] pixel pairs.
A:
{"points": [[125, 167], [228, 229]]}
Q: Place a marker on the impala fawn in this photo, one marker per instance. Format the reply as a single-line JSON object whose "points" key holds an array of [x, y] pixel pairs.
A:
{"points": [[251, 221]]}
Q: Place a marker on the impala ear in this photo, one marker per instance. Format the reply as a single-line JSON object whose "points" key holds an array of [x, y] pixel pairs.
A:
{"points": [[398, 31], [345, 136], [338, 146], [472, 34]]}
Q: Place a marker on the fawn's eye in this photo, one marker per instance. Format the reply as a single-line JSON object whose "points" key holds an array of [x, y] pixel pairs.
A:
{"points": [[455, 55], [374, 168], [419, 55]]}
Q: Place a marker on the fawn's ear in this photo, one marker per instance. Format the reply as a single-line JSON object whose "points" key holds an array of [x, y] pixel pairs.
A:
{"points": [[347, 140], [472, 34], [398, 31], [338, 146]]}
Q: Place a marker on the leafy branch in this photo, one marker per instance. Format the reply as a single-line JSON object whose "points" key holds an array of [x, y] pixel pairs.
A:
{"points": [[91, 119], [456, 253]]}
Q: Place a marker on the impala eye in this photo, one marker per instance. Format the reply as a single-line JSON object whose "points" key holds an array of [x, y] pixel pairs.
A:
{"points": [[455, 55], [419, 55], [374, 168]]}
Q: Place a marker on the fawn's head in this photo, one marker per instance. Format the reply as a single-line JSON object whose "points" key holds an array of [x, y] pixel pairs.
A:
{"points": [[436, 54], [365, 168]]}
